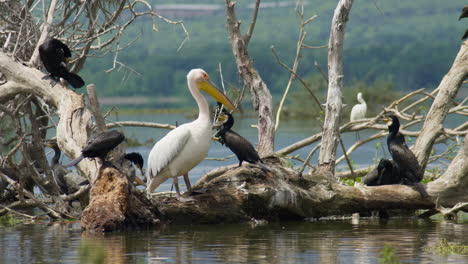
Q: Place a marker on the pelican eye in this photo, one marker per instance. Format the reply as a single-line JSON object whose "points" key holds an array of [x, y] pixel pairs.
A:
{"points": [[205, 76]]}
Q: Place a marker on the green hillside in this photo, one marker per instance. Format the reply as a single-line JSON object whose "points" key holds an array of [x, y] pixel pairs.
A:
{"points": [[411, 45]]}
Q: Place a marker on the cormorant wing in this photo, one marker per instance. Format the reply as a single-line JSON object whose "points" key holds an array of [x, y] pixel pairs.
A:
{"points": [[167, 149], [406, 160], [103, 142], [241, 146], [63, 49]]}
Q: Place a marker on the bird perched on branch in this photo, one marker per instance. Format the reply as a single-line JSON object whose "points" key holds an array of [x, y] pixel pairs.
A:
{"points": [[358, 111], [185, 146], [99, 146], [54, 55], [409, 169], [236, 143]]}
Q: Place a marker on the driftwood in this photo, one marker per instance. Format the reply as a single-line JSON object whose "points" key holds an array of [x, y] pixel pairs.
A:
{"points": [[115, 204], [247, 192]]}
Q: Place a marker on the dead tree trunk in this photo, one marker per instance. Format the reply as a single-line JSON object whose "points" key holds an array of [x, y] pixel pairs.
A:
{"points": [[331, 125], [261, 97], [115, 204], [448, 89]]}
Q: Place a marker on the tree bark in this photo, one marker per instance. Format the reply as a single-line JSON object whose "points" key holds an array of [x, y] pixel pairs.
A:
{"points": [[261, 97], [448, 89], [451, 187], [333, 107]]}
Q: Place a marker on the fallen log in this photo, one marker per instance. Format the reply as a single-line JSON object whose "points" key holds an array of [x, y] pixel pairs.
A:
{"points": [[247, 192]]}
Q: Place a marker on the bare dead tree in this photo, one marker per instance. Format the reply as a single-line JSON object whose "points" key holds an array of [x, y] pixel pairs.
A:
{"points": [[31, 105], [261, 97], [333, 106]]}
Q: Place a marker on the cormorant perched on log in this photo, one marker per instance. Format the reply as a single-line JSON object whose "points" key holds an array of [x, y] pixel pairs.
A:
{"points": [[408, 165], [99, 146], [464, 14], [136, 159], [236, 143], [54, 54], [385, 173]]}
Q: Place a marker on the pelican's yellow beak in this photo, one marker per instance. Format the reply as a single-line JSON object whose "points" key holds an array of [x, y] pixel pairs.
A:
{"points": [[217, 94]]}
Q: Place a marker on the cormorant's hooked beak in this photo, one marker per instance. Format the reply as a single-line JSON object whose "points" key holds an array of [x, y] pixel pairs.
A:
{"points": [[139, 181], [387, 120], [67, 59], [217, 94]]}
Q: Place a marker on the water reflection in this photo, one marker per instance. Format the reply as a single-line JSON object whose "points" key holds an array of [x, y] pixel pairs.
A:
{"points": [[292, 242]]}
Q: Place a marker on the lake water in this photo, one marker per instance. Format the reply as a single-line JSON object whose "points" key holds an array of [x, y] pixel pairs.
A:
{"points": [[325, 241], [337, 241]]}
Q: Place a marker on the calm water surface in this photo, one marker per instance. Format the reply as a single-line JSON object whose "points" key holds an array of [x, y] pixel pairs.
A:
{"points": [[329, 241]]}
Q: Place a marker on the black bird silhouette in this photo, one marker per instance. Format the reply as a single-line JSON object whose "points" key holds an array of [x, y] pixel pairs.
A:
{"points": [[385, 173], [464, 14], [409, 169], [99, 146], [54, 54], [236, 143]]}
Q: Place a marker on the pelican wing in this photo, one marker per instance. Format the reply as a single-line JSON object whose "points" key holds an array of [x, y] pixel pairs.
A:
{"points": [[167, 149]]}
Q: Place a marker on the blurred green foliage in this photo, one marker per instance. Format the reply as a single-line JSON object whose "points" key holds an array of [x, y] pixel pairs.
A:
{"points": [[411, 45]]}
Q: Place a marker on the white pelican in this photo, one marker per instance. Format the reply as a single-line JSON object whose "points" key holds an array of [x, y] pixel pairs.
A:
{"points": [[187, 145], [359, 111]]}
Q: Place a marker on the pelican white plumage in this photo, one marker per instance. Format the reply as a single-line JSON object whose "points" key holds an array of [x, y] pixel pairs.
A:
{"points": [[359, 110], [187, 145]]}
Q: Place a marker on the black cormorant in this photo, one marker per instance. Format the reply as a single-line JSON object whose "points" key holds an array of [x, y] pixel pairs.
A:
{"points": [[68, 182], [408, 165], [136, 159], [236, 143], [99, 146], [385, 173], [54, 54]]}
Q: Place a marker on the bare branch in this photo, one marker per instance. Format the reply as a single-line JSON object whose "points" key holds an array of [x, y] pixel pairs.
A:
{"points": [[249, 33]]}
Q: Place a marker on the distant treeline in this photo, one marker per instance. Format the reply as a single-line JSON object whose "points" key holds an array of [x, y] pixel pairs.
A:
{"points": [[411, 45]]}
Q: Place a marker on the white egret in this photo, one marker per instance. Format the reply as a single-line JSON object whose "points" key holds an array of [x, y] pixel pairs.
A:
{"points": [[185, 146], [359, 110]]}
